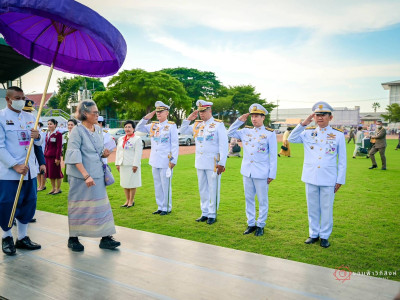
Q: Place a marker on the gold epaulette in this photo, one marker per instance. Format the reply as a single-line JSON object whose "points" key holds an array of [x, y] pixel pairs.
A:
{"points": [[106, 131], [217, 120], [247, 126], [310, 127], [155, 122], [337, 129], [171, 122], [269, 129]]}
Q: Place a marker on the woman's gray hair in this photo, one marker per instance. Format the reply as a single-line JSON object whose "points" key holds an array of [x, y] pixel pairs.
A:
{"points": [[84, 107]]}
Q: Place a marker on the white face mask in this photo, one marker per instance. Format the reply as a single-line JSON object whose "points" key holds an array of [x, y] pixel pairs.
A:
{"points": [[18, 104]]}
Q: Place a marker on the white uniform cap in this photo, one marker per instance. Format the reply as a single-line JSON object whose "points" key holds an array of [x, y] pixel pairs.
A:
{"points": [[161, 106], [257, 109], [322, 107], [202, 105]]}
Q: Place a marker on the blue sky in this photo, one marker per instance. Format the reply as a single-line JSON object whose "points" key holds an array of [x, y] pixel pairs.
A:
{"points": [[299, 52]]}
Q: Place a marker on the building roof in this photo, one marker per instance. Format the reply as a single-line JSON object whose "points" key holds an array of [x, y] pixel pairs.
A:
{"points": [[386, 85], [37, 97], [12, 64]]}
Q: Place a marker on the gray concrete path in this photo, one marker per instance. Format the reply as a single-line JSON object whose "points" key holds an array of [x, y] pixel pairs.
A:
{"points": [[152, 266]]}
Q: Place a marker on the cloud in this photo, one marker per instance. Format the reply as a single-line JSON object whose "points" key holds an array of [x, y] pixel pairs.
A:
{"points": [[340, 16]]}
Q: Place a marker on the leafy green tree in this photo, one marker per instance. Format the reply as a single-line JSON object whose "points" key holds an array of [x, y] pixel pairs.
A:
{"points": [[242, 97], [134, 93], [68, 87], [198, 84], [222, 106], [393, 113], [54, 102]]}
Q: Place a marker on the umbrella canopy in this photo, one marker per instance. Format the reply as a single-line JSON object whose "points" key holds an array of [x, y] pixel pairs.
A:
{"points": [[77, 39]]}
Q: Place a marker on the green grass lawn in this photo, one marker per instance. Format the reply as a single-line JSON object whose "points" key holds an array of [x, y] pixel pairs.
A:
{"points": [[366, 231]]}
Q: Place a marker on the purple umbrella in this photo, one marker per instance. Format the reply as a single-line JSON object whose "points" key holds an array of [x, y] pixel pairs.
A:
{"points": [[64, 35]]}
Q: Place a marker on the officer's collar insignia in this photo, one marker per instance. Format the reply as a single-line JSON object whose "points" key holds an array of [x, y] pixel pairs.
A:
{"points": [[9, 122], [331, 136]]}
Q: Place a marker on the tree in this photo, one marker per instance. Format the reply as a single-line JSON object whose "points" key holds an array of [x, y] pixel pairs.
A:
{"points": [[222, 106], [393, 114], [375, 106], [68, 87], [54, 102], [134, 92], [198, 84]]}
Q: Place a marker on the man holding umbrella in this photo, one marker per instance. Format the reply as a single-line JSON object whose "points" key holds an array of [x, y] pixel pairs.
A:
{"points": [[163, 155], [14, 125]]}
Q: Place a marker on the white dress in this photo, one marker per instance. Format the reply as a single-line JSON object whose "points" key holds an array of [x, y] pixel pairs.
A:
{"points": [[128, 157]]}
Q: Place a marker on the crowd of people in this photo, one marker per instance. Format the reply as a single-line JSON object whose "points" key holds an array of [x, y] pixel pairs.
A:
{"points": [[88, 145]]}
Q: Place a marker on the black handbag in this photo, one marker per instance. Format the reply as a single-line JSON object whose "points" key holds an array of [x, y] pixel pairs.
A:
{"points": [[284, 148]]}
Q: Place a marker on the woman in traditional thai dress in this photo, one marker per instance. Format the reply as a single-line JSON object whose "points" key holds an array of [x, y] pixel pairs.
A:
{"points": [[89, 210], [70, 125], [52, 155]]}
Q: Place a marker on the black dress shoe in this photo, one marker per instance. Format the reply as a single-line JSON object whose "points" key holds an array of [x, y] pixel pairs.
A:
{"points": [[383, 169], [75, 245], [27, 244], [108, 242], [259, 231], [157, 212], [211, 221], [202, 219], [325, 243], [163, 213], [311, 240], [125, 205], [373, 167], [8, 246], [250, 229], [33, 220]]}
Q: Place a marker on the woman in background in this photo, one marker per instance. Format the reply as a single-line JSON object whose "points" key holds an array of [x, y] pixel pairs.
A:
{"points": [[128, 160], [70, 125], [52, 154]]}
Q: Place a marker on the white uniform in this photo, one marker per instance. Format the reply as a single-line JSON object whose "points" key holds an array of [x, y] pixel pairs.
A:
{"points": [[211, 145], [15, 133], [259, 163], [164, 143], [107, 139], [324, 166]]}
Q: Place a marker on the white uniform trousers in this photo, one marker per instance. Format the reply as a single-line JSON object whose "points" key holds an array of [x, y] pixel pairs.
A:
{"points": [[209, 196], [162, 187], [253, 187], [320, 210]]}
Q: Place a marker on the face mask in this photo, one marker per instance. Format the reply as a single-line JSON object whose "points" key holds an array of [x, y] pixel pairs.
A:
{"points": [[18, 104]]}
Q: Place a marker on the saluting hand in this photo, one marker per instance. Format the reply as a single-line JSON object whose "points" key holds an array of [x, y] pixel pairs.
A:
{"points": [[193, 115], [149, 115], [35, 134], [244, 117], [21, 169], [308, 120]]}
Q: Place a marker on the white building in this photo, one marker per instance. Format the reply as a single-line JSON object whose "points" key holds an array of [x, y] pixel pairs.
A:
{"points": [[394, 91], [342, 116]]}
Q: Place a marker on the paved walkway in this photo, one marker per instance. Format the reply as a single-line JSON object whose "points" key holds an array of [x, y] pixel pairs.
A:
{"points": [[152, 266]]}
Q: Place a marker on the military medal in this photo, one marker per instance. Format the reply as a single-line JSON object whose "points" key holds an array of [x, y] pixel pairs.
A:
{"points": [[314, 133], [312, 147]]}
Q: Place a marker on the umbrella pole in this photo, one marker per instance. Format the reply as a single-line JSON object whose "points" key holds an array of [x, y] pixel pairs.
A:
{"points": [[21, 180]]}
